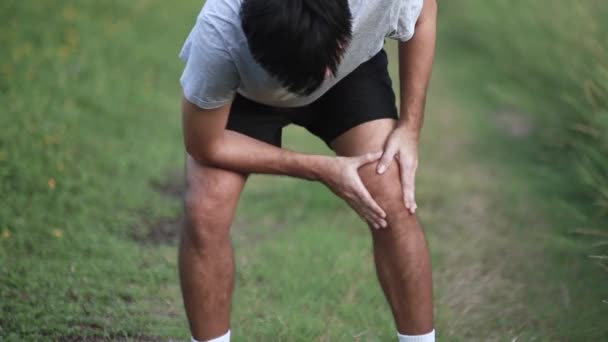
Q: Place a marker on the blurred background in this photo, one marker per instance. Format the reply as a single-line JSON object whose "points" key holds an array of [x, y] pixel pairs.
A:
{"points": [[512, 187]]}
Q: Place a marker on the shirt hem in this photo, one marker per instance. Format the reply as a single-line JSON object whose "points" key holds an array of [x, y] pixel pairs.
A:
{"points": [[204, 104]]}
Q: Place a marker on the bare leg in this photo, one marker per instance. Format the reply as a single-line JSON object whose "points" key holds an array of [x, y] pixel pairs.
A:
{"points": [[400, 251], [206, 263]]}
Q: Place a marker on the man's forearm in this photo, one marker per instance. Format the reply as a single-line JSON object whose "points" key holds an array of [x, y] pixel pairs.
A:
{"points": [[209, 143], [415, 64], [240, 153]]}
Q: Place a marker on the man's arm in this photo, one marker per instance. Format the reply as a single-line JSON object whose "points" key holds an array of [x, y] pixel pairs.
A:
{"points": [[209, 143], [415, 64]]}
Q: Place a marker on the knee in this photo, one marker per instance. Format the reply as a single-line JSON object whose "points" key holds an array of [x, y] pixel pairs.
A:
{"points": [[387, 191], [208, 214]]}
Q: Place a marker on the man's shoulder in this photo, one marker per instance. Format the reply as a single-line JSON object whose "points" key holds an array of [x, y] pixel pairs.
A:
{"points": [[222, 9], [220, 20]]}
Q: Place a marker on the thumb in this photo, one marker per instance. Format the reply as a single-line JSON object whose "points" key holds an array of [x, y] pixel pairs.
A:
{"points": [[387, 159], [368, 158]]}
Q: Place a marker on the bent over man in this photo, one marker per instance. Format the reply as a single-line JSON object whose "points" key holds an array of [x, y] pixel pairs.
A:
{"points": [[253, 67]]}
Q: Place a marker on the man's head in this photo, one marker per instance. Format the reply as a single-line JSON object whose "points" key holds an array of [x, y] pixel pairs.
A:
{"points": [[297, 41]]}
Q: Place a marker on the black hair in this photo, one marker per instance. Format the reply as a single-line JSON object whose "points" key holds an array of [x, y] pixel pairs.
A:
{"points": [[296, 41]]}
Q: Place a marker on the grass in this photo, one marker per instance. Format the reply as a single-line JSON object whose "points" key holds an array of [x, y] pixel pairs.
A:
{"points": [[90, 161], [89, 117]]}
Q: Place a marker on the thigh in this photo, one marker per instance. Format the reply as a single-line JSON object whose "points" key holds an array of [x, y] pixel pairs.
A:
{"points": [[386, 188], [367, 137]]}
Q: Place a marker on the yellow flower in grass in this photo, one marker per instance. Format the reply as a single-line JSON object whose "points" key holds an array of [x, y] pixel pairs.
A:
{"points": [[5, 234], [58, 233], [52, 183]]}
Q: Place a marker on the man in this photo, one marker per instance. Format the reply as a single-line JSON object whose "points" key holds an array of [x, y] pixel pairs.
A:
{"points": [[255, 66]]}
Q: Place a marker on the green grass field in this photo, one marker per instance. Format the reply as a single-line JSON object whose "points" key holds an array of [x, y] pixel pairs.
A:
{"points": [[90, 182]]}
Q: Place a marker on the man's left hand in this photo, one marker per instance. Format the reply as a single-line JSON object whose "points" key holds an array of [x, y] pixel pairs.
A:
{"points": [[402, 145]]}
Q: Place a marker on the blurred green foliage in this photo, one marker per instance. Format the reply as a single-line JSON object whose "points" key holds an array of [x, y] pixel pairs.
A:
{"points": [[549, 59]]}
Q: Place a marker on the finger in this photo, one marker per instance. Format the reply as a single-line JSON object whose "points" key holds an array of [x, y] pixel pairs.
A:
{"points": [[368, 158], [408, 175], [413, 208], [364, 213], [367, 199], [412, 193], [405, 186], [372, 218], [373, 224], [410, 203], [387, 158], [368, 202], [382, 223], [377, 219]]}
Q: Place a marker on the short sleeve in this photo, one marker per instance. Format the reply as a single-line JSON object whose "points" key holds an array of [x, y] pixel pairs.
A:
{"points": [[404, 16], [210, 78]]}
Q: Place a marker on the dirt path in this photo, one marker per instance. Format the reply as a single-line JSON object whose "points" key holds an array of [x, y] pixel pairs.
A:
{"points": [[480, 269], [504, 269]]}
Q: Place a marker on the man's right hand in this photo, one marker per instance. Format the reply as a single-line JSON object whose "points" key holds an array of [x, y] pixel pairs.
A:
{"points": [[341, 175]]}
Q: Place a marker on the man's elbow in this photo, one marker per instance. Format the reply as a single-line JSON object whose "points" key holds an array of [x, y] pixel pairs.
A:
{"points": [[204, 154], [201, 144], [207, 156]]}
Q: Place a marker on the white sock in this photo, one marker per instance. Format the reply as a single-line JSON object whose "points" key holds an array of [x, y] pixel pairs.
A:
{"points": [[223, 338], [430, 337]]}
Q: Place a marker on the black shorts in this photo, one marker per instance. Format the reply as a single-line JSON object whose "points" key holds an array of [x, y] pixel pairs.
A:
{"points": [[364, 95]]}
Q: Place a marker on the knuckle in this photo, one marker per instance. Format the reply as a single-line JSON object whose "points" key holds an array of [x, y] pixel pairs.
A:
{"points": [[350, 194]]}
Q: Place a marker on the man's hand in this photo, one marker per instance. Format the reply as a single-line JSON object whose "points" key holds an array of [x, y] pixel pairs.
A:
{"points": [[402, 145], [341, 175]]}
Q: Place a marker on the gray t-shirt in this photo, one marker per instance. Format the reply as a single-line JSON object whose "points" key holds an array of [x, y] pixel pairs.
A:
{"points": [[218, 62]]}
